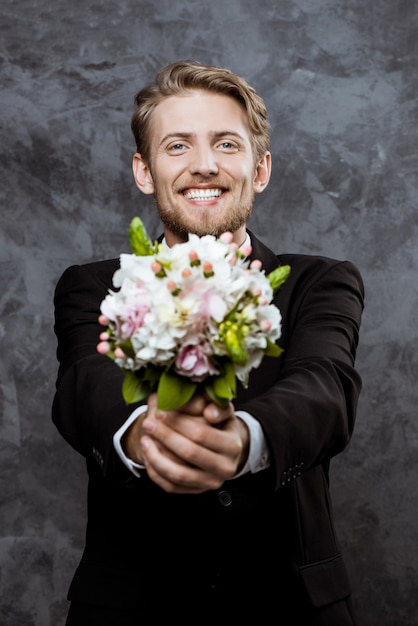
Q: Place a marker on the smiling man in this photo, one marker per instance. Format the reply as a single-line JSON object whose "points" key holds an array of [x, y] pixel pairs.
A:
{"points": [[203, 513], [202, 169]]}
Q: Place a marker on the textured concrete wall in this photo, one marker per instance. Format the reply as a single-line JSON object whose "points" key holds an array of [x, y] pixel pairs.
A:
{"points": [[340, 79]]}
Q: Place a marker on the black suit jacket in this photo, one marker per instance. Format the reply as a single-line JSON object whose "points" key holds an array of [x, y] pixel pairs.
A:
{"points": [[268, 536]]}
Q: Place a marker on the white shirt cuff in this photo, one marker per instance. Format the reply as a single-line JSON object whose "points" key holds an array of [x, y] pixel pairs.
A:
{"points": [[259, 456], [131, 465]]}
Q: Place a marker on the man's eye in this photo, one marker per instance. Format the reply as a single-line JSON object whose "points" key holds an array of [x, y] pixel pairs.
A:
{"points": [[227, 145], [176, 147]]}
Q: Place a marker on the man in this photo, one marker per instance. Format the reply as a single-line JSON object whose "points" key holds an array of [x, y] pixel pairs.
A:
{"points": [[207, 513]]}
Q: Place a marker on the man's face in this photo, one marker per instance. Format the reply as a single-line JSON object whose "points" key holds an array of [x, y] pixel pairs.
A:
{"points": [[201, 171]]}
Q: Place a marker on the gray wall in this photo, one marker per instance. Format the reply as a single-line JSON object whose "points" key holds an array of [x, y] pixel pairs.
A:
{"points": [[340, 78]]}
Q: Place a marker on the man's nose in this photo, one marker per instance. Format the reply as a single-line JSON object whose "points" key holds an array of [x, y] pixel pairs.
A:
{"points": [[204, 161]]}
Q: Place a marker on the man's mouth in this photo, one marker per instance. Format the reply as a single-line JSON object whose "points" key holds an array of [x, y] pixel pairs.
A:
{"points": [[202, 194]]}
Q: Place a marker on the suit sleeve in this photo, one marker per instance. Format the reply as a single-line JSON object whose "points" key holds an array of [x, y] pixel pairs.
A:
{"points": [[308, 397], [88, 407]]}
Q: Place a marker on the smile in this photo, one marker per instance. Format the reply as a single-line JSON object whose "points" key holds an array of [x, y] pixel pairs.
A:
{"points": [[202, 194]]}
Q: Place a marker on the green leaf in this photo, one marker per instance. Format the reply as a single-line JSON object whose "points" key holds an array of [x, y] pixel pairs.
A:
{"points": [[139, 384], [126, 347], [272, 349], [134, 389], [174, 391], [141, 244], [221, 389], [225, 386], [222, 402], [278, 276]]}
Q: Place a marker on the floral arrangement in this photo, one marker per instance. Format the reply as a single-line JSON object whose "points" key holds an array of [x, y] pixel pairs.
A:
{"points": [[197, 314]]}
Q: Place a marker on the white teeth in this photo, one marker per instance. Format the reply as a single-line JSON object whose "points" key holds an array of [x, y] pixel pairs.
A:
{"points": [[203, 194]]}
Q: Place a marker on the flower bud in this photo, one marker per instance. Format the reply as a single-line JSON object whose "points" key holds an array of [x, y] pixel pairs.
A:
{"points": [[208, 269], [171, 286], [226, 237], [256, 264], [265, 325], [103, 347], [246, 249]]}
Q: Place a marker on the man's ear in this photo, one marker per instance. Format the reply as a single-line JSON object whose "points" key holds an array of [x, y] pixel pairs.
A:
{"points": [[142, 174], [262, 173]]}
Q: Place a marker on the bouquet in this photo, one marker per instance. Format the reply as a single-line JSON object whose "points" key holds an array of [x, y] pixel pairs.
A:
{"points": [[196, 315]]}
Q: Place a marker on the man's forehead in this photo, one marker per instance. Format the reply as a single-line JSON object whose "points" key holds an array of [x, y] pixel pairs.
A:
{"points": [[198, 108]]}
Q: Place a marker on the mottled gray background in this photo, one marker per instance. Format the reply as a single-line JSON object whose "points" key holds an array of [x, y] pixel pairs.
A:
{"points": [[340, 79]]}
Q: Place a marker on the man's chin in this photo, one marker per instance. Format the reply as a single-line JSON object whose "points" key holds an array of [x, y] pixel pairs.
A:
{"points": [[182, 229], [207, 224]]}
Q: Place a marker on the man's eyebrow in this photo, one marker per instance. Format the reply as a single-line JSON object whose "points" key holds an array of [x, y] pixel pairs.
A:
{"points": [[177, 135], [227, 133]]}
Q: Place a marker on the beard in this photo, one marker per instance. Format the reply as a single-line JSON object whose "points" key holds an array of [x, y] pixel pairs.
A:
{"points": [[210, 223]]}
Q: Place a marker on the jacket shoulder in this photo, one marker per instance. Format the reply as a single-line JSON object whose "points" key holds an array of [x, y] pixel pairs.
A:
{"points": [[100, 272], [311, 260], [313, 267], [299, 263]]}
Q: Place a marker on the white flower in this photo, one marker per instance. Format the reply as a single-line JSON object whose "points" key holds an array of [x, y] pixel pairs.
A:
{"points": [[190, 309]]}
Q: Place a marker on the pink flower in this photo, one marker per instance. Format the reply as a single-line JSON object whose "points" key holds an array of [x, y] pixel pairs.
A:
{"points": [[193, 361], [134, 319], [212, 305], [132, 314]]}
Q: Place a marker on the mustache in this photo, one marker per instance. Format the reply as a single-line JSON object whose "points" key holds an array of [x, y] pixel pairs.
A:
{"points": [[202, 180]]}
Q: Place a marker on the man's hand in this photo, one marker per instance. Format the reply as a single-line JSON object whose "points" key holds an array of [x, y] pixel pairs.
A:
{"points": [[190, 450]]}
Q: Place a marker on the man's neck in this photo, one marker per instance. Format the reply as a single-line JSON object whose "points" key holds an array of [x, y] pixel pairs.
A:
{"points": [[240, 237], [246, 242]]}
